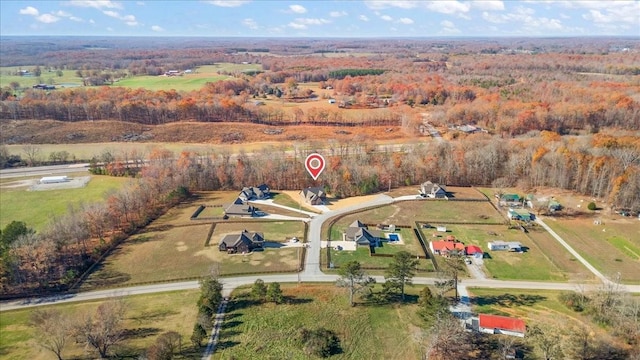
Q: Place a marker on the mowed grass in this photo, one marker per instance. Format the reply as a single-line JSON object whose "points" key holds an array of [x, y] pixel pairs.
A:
{"points": [[173, 248], [267, 331], [46, 76], [147, 317], [37, 208], [537, 263], [530, 305], [436, 212], [187, 82], [612, 247], [361, 254]]}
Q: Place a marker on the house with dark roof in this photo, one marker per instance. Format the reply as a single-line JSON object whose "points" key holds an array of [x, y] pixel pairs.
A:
{"points": [[239, 209], [445, 248], [241, 243], [314, 195], [359, 233], [433, 191], [494, 324], [255, 193], [510, 200]]}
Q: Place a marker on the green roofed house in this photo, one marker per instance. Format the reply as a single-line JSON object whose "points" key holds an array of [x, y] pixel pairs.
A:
{"points": [[554, 205], [520, 214], [510, 200]]}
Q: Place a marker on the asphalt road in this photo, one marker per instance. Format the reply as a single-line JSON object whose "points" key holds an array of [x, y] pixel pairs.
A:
{"points": [[43, 171]]}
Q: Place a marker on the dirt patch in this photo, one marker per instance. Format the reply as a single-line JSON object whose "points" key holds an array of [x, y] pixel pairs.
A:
{"points": [[18, 184], [342, 203]]}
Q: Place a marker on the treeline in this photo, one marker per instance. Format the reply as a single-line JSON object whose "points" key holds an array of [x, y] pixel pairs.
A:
{"points": [[603, 166], [343, 73]]}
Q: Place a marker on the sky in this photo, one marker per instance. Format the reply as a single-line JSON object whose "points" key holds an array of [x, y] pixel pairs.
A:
{"points": [[271, 18]]}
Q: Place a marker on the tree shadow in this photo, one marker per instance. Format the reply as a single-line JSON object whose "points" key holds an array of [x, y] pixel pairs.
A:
{"points": [[101, 277], [508, 300], [153, 315], [140, 332], [223, 345], [296, 301], [231, 324]]}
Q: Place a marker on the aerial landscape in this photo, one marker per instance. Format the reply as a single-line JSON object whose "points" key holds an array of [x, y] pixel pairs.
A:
{"points": [[317, 179]]}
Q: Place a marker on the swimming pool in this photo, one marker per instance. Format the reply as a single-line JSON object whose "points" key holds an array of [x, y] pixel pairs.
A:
{"points": [[394, 237]]}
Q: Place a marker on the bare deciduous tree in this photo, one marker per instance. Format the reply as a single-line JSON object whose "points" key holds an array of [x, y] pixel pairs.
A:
{"points": [[53, 329], [103, 329]]}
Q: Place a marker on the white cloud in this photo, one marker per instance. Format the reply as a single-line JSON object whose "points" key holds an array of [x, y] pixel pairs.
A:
{"points": [[385, 4], [386, 18], [449, 27], [29, 10], [109, 29], [250, 23], [157, 28], [303, 23], [363, 18], [488, 5], [91, 21], [227, 3], [297, 26], [65, 14], [338, 13], [615, 14], [128, 19], [98, 4], [47, 18], [298, 9], [448, 7], [406, 21]]}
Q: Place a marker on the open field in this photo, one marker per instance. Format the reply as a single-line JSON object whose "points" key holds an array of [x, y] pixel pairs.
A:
{"points": [[146, 318], [438, 212], [179, 245], [365, 332], [36, 208], [529, 305], [612, 247], [68, 78], [544, 259]]}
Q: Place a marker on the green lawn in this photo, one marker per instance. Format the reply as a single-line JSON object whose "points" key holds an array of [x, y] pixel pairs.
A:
{"points": [[267, 331], [36, 208], [187, 82], [47, 77], [530, 265], [538, 305], [147, 317]]}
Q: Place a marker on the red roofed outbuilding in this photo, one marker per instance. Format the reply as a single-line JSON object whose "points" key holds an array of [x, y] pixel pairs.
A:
{"points": [[473, 250], [495, 324]]}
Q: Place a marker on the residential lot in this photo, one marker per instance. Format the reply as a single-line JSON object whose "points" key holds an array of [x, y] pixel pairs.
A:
{"points": [[544, 259]]}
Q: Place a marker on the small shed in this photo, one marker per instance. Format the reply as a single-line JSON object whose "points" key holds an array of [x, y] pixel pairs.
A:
{"points": [[54, 179]]}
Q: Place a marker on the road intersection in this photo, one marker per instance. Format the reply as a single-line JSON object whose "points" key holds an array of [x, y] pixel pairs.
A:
{"points": [[312, 271]]}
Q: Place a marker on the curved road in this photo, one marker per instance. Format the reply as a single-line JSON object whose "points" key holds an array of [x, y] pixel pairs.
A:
{"points": [[311, 272]]}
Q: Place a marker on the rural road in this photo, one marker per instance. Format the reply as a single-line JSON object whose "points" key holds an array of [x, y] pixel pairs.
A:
{"points": [[311, 272], [43, 171]]}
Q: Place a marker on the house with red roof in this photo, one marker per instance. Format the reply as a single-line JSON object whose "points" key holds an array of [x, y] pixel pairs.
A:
{"points": [[444, 247], [473, 250], [495, 324]]}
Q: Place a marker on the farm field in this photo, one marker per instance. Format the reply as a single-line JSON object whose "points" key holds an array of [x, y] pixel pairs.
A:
{"points": [[146, 318], [36, 208], [612, 247], [68, 78], [544, 261], [365, 332]]}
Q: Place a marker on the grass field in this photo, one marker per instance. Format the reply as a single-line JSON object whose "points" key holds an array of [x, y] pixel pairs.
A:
{"points": [[267, 331], [68, 77], [534, 264], [179, 245], [36, 208], [612, 247], [529, 305], [147, 317], [186, 82]]}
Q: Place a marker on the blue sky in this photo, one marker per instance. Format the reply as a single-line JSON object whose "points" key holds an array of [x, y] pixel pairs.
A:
{"points": [[270, 18]]}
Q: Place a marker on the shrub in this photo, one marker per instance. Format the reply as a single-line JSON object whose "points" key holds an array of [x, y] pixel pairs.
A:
{"points": [[320, 342], [592, 206]]}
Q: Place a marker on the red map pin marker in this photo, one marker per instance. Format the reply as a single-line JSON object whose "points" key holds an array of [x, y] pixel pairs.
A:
{"points": [[314, 165]]}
